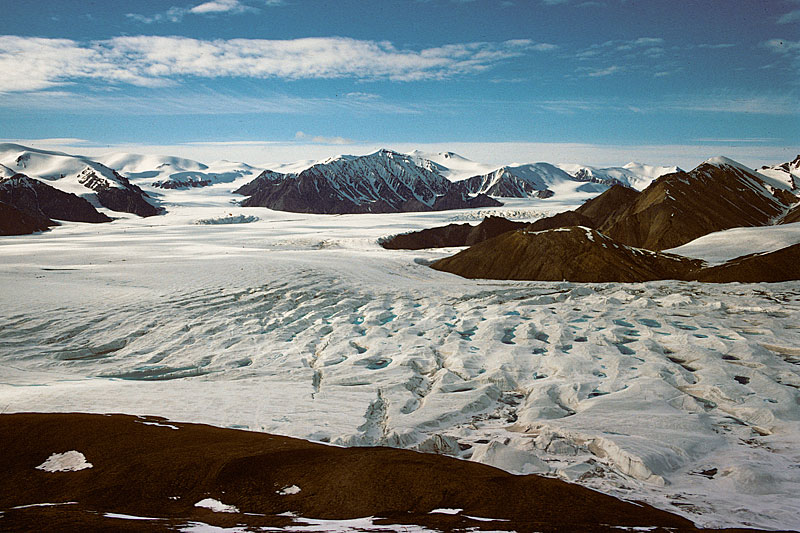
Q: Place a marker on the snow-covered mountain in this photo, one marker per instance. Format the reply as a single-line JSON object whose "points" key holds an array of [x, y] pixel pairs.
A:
{"points": [[87, 178], [523, 181], [169, 172], [635, 175], [384, 181], [450, 165]]}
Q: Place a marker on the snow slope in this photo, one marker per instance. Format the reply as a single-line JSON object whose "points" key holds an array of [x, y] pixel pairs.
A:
{"points": [[175, 172], [788, 173], [450, 165], [302, 325], [62, 171], [722, 246]]}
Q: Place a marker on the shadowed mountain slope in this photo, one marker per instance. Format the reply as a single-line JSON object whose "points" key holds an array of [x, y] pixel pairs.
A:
{"points": [[41, 201]]}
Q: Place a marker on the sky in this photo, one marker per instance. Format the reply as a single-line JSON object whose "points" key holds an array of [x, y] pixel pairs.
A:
{"points": [[596, 82]]}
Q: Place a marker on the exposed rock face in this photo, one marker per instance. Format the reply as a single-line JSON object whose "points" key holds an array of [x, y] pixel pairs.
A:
{"points": [[16, 222], [39, 200], [452, 235], [149, 467], [120, 196], [574, 254], [605, 210], [383, 182]]}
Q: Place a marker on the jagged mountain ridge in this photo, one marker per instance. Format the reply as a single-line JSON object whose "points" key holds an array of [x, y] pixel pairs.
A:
{"points": [[381, 182]]}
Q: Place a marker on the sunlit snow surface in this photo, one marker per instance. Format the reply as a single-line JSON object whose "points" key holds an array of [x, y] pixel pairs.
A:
{"points": [[684, 395]]}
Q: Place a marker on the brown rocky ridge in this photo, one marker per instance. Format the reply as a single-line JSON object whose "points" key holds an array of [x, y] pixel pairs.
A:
{"points": [[582, 254], [452, 235], [158, 471]]}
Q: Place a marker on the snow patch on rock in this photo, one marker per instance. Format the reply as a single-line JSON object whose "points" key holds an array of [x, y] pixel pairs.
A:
{"points": [[70, 461]]}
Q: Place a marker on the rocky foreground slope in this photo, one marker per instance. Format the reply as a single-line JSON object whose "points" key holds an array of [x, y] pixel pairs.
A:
{"points": [[75, 471]]}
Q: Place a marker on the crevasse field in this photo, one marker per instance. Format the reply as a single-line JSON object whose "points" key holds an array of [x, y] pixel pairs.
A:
{"points": [[684, 395]]}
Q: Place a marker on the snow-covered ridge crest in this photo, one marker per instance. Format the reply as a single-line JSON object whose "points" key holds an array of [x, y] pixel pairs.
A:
{"points": [[169, 172], [775, 182], [359, 177]]}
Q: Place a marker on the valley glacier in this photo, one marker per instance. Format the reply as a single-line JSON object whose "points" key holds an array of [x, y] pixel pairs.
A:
{"points": [[683, 395]]}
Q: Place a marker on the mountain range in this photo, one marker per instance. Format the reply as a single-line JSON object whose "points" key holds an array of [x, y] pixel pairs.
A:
{"points": [[642, 206], [620, 234], [382, 182]]}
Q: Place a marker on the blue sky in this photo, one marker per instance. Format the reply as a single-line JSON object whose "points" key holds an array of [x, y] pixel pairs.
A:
{"points": [[536, 79]]}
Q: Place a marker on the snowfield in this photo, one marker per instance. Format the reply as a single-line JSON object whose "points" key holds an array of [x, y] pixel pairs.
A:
{"points": [[684, 395]]}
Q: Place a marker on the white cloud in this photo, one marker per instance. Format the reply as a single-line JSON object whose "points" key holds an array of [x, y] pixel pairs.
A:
{"points": [[32, 64], [211, 7], [544, 47], [318, 139], [221, 6]]}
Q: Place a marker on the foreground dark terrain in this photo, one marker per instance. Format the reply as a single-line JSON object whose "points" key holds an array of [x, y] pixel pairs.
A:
{"points": [[150, 468]]}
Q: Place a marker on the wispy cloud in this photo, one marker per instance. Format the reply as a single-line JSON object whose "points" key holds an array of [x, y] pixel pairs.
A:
{"points": [[35, 63], [205, 102], [599, 73], [718, 46], [791, 16], [772, 104], [788, 50], [747, 140], [318, 139]]}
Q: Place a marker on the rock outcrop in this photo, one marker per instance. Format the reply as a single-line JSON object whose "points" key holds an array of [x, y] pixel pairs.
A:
{"points": [[41, 201]]}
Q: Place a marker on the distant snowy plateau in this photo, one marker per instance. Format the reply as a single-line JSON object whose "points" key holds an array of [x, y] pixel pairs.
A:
{"points": [[685, 395]]}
